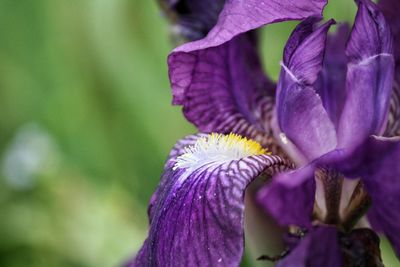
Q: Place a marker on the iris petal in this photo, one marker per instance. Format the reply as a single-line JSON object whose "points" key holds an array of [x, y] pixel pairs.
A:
{"points": [[319, 248], [242, 16], [331, 85], [197, 216], [290, 197], [381, 172], [390, 9], [176, 151], [369, 77], [301, 115], [223, 89], [219, 80]]}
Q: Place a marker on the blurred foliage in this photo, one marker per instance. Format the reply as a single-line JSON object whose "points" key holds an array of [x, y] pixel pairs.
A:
{"points": [[88, 79], [86, 124]]}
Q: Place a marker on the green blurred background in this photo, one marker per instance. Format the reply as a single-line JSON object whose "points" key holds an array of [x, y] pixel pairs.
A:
{"points": [[86, 124]]}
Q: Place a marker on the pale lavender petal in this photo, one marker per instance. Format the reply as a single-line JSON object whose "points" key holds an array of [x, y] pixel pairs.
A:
{"points": [[192, 19], [330, 85], [301, 115], [290, 197], [319, 248], [369, 77], [198, 214], [223, 89]]}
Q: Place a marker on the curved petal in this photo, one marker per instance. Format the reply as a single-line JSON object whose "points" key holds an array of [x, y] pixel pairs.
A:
{"points": [[242, 16], [301, 115], [390, 9], [290, 197], [204, 72], [192, 19], [369, 77], [177, 150], [319, 248], [198, 213], [381, 172], [330, 85], [223, 89]]}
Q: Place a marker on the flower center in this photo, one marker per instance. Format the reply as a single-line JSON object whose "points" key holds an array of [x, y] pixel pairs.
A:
{"points": [[217, 148], [339, 201]]}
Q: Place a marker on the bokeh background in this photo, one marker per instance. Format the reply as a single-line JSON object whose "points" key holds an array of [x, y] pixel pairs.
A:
{"points": [[86, 124]]}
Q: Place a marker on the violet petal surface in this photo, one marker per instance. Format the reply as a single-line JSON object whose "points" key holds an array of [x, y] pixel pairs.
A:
{"points": [[369, 77], [197, 216], [225, 89], [319, 248], [290, 197], [300, 113]]}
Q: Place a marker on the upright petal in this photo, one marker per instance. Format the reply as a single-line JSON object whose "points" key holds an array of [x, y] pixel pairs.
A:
{"points": [[390, 9], [381, 172], [301, 115], [369, 77], [331, 85], [202, 71], [223, 89], [190, 18], [198, 213]]}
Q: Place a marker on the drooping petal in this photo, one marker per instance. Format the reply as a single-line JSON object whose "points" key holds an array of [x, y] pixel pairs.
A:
{"points": [[192, 19], [223, 89], [301, 115], [242, 16], [198, 213], [290, 197], [369, 77], [176, 151], [204, 72], [330, 85], [380, 170], [319, 248]]}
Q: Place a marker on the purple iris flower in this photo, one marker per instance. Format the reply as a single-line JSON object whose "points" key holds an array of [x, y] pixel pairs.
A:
{"points": [[332, 113], [332, 106], [197, 212]]}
